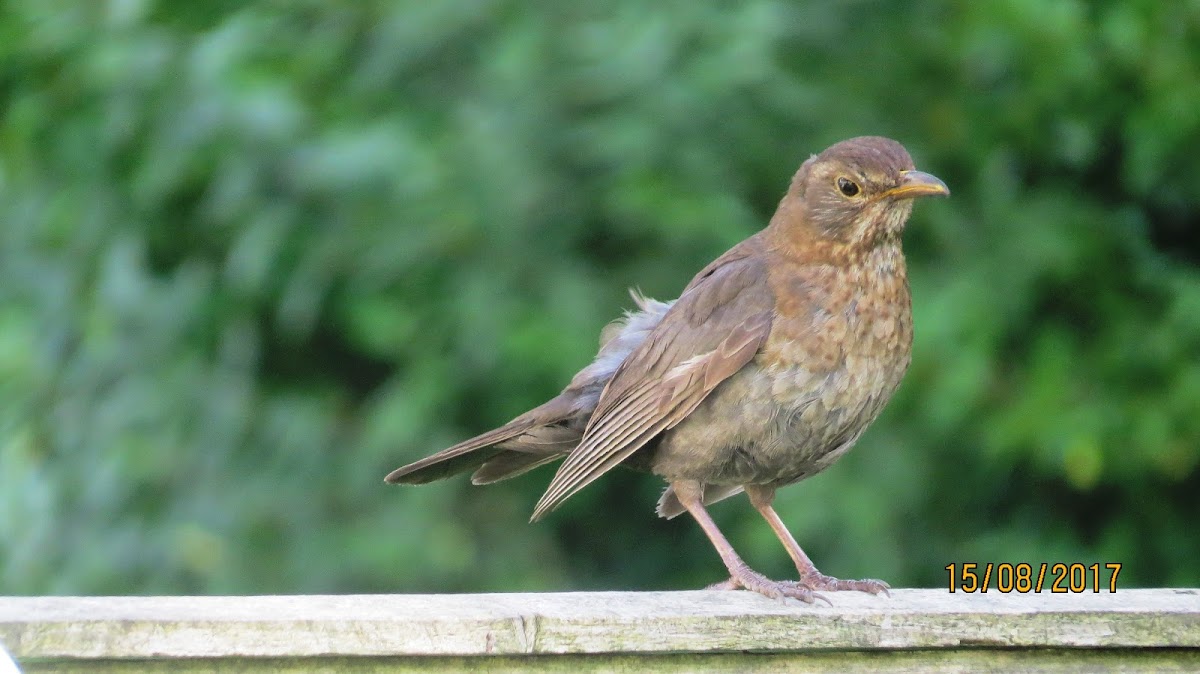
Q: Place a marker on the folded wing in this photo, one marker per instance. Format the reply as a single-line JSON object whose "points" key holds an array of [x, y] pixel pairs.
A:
{"points": [[715, 328]]}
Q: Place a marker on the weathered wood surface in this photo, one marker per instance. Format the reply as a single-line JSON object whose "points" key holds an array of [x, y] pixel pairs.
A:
{"points": [[612, 631]]}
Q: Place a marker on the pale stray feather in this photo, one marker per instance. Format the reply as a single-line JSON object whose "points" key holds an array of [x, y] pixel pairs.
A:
{"points": [[620, 337]]}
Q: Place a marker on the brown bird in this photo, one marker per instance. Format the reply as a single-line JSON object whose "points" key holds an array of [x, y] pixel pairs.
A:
{"points": [[767, 369]]}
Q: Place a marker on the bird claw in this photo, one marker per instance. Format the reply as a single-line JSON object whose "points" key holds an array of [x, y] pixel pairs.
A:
{"points": [[748, 579], [820, 582]]}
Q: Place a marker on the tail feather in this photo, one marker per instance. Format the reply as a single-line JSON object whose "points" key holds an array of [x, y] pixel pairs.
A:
{"points": [[510, 464], [549, 439], [528, 433], [670, 507], [464, 456], [527, 451]]}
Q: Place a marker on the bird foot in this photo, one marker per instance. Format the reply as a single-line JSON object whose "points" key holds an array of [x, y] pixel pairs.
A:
{"points": [[820, 582], [749, 579]]}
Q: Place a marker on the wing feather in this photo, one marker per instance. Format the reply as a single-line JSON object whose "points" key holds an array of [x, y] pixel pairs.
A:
{"points": [[628, 421]]}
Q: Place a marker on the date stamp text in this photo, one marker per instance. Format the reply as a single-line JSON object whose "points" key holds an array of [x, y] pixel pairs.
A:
{"points": [[1058, 577]]}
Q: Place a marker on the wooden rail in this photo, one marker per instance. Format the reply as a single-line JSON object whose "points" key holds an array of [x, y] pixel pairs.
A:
{"points": [[913, 630]]}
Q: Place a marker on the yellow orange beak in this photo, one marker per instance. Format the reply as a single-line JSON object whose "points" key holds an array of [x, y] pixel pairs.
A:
{"points": [[918, 184]]}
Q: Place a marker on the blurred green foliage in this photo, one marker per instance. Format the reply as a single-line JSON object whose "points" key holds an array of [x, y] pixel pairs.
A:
{"points": [[255, 255]]}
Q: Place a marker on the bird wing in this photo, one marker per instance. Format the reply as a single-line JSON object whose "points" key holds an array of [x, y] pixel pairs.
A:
{"points": [[715, 328]]}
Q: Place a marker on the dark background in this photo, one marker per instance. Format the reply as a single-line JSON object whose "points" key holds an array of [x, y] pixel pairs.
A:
{"points": [[255, 255]]}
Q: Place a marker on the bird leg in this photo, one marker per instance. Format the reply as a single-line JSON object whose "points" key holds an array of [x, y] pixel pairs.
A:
{"points": [[761, 498], [691, 495]]}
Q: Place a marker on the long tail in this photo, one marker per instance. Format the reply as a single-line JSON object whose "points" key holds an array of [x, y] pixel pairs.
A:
{"points": [[473, 453], [466, 455], [549, 431]]}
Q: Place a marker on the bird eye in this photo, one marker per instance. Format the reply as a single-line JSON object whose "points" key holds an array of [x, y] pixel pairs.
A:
{"points": [[848, 187]]}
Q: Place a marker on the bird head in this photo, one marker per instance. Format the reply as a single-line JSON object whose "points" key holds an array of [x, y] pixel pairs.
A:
{"points": [[857, 194]]}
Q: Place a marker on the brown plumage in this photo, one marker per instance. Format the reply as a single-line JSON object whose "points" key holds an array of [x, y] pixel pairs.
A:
{"points": [[770, 365]]}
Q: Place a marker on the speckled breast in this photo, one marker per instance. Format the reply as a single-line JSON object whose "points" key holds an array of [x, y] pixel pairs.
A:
{"points": [[805, 399]]}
